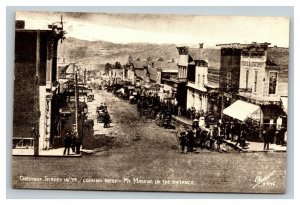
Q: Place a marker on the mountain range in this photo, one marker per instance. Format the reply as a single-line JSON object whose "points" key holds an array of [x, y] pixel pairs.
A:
{"points": [[95, 54]]}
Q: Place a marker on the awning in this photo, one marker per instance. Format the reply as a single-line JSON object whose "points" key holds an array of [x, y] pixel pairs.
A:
{"points": [[242, 110], [284, 101]]}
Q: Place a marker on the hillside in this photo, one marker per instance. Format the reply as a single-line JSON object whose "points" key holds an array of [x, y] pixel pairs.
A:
{"points": [[94, 54]]}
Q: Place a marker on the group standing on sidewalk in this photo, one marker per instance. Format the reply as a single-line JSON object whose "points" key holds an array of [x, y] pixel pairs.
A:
{"points": [[196, 136], [71, 141]]}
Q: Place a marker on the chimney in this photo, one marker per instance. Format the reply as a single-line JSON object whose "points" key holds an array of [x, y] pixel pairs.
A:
{"points": [[20, 24], [201, 45]]}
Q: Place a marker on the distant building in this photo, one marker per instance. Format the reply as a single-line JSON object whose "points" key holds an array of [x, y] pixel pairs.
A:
{"points": [[197, 96], [136, 72], [199, 73], [168, 79], [116, 75], [183, 66]]}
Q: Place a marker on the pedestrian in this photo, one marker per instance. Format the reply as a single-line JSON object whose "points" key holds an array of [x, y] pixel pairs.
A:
{"points": [[236, 132], [197, 115], [106, 119], [238, 136], [281, 135], [272, 134], [266, 137], [285, 138], [212, 138], [220, 136], [231, 131], [195, 124], [241, 138], [183, 141], [203, 138], [179, 111], [67, 142], [74, 141], [190, 141]]}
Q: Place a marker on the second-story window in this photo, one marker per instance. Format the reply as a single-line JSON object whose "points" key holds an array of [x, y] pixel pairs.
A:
{"points": [[247, 78], [229, 79], [255, 81], [203, 80], [272, 82], [199, 79]]}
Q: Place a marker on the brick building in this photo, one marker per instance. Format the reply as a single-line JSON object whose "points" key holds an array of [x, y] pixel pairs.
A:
{"points": [[35, 84], [229, 73]]}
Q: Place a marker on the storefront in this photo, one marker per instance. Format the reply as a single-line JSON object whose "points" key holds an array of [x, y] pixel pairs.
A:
{"points": [[247, 114]]}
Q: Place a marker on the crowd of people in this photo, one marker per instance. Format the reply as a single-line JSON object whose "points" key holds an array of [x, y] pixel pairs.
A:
{"points": [[211, 132], [148, 104], [236, 132], [196, 136], [274, 135]]}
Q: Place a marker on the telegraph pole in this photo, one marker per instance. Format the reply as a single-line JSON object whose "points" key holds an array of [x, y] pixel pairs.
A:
{"points": [[35, 128], [76, 101], [84, 77]]}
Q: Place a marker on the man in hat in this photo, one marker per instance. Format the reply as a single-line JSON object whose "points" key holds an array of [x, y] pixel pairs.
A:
{"points": [[67, 142], [74, 141], [183, 140], [195, 125], [106, 119], [190, 140]]}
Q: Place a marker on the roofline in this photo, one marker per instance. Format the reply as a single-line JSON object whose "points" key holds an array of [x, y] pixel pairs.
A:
{"points": [[33, 30], [243, 45]]}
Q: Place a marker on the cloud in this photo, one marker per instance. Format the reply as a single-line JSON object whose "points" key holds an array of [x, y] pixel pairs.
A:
{"points": [[178, 29]]}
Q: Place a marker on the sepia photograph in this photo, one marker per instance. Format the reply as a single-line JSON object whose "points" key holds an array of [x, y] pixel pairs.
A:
{"points": [[150, 102]]}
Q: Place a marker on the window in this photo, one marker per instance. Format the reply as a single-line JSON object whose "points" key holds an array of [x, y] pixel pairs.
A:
{"points": [[229, 75], [255, 81], [229, 79], [247, 78], [190, 73], [198, 78], [272, 82], [203, 79]]}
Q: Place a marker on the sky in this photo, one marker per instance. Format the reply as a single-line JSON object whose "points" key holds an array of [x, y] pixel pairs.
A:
{"points": [[176, 29]]}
